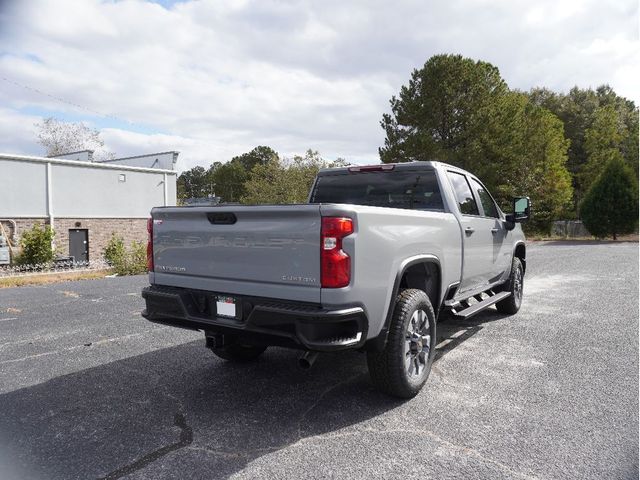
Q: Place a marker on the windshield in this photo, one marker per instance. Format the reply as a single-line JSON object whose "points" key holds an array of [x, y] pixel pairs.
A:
{"points": [[410, 190]]}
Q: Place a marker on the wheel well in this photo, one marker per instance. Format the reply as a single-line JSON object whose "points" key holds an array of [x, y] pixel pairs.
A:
{"points": [[424, 276], [521, 253]]}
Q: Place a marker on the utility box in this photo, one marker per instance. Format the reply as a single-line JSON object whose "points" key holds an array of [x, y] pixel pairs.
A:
{"points": [[5, 258]]}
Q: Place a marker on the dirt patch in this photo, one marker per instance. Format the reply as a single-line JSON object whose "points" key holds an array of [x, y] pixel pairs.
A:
{"points": [[52, 278], [68, 293]]}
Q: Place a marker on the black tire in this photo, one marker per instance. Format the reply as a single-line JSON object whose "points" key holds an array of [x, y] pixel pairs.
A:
{"points": [[238, 353], [390, 369], [515, 285]]}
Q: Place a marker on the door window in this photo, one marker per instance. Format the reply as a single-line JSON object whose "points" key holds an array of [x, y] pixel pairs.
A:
{"points": [[488, 205], [464, 196]]}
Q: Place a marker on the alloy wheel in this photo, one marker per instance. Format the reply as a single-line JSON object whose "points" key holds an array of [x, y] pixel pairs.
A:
{"points": [[417, 344]]}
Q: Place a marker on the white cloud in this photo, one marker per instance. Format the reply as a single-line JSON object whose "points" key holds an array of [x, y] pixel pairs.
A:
{"points": [[215, 79], [17, 132]]}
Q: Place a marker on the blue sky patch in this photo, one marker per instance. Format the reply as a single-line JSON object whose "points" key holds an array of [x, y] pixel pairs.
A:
{"points": [[94, 121]]}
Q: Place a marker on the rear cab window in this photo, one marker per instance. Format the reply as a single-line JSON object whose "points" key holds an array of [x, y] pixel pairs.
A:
{"points": [[462, 190], [408, 189]]}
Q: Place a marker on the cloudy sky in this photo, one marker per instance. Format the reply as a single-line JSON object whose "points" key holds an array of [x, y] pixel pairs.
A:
{"points": [[213, 79]]}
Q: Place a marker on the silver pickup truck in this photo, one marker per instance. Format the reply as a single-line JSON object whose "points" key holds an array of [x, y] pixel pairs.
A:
{"points": [[369, 263]]}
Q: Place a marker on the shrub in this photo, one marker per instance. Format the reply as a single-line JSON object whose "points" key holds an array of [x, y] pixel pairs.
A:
{"points": [[35, 245], [114, 252], [131, 261], [137, 256], [610, 207]]}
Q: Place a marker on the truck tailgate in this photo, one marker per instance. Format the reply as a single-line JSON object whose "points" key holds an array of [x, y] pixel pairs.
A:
{"points": [[267, 251]]}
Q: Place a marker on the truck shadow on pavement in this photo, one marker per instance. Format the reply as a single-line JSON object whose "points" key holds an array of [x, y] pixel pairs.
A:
{"points": [[453, 331], [181, 412]]}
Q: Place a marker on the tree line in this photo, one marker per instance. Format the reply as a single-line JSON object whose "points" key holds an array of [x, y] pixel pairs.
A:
{"points": [[258, 176], [548, 145], [551, 146]]}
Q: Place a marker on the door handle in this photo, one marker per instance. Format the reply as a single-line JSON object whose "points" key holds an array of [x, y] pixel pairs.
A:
{"points": [[469, 230], [494, 230]]}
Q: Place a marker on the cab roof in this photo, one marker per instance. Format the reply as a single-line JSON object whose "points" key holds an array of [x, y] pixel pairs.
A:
{"points": [[382, 167]]}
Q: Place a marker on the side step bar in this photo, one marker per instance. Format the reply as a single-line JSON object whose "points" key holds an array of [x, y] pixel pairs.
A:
{"points": [[480, 306]]}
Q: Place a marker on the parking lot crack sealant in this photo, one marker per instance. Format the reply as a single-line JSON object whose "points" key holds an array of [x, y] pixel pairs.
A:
{"points": [[186, 437]]}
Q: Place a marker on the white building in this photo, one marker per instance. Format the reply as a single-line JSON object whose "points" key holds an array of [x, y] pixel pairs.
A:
{"points": [[84, 201]]}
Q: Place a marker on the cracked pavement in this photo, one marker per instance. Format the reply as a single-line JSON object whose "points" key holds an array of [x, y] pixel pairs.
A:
{"points": [[89, 389]]}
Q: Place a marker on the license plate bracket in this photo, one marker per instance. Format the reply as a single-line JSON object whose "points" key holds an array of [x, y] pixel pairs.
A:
{"points": [[226, 306]]}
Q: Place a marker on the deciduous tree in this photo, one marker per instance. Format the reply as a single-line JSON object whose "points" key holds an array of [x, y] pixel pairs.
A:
{"points": [[194, 183], [260, 155], [229, 181], [59, 137], [230, 178], [602, 142], [579, 110], [524, 152], [285, 181]]}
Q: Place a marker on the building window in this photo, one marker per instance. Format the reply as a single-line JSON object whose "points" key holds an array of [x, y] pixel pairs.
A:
{"points": [[122, 177]]}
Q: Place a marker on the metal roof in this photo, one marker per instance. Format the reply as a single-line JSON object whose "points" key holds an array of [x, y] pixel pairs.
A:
{"points": [[174, 152], [79, 164]]}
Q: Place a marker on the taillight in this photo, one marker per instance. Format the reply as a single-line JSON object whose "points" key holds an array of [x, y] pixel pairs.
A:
{"points": [[335, 264], [150, 245]]}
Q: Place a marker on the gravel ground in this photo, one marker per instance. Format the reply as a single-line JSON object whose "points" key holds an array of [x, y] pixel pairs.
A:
{"points": [[89, 389]]}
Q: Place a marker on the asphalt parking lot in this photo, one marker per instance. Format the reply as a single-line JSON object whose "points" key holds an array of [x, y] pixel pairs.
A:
{"points": [[89, 389]]}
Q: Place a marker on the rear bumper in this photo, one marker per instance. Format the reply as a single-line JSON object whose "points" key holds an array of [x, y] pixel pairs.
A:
{"points": [[260, 320]]}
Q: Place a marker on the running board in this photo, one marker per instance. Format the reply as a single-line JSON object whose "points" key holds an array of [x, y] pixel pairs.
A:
{"points": [[480, 306]]}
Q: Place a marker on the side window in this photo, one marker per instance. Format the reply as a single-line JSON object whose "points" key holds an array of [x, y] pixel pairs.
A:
{"points": [[488, 205], [461, 187]]}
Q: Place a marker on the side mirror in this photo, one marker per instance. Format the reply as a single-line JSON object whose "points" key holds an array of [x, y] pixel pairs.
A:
{"points": [[521, 210]]}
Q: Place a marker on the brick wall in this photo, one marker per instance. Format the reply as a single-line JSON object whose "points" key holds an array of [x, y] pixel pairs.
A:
{"points": [[22, 224], [100, 230]]}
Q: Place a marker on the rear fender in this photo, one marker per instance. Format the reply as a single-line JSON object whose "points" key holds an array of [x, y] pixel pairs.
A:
{"points": [[433, 288]]}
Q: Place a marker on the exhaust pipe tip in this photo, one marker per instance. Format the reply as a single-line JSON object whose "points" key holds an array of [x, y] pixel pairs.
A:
{"points": [[307, 360]]}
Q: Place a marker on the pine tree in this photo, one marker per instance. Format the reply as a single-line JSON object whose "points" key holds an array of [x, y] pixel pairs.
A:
{"points": [[610, 207], [462, 112]]}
